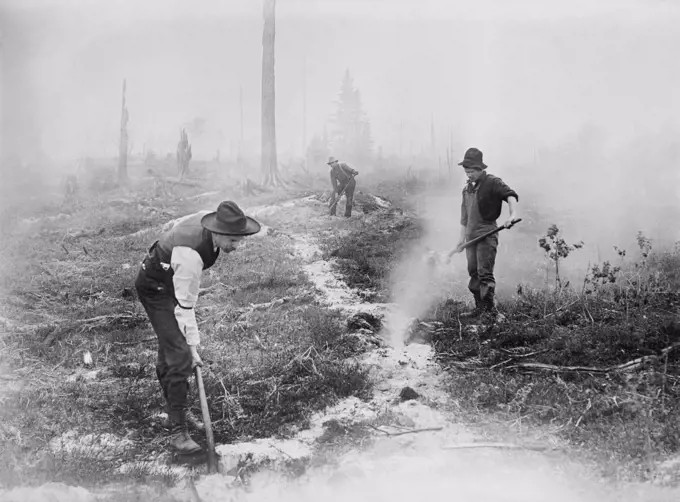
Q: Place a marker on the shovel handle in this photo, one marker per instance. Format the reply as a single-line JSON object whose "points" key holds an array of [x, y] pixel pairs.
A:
{"points": [[481, 237], [212, 455], [342, 191]]}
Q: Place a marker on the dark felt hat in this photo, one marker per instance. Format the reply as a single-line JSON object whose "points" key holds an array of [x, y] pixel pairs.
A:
{"points": [[473, 159], [230, 220]]}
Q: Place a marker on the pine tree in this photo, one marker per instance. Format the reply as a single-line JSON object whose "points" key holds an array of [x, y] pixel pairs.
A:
{"points": [[317, 153], [352, 130]]}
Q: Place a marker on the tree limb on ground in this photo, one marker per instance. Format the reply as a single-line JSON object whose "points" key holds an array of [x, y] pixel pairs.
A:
{"points": [[253, 307], [101, 321], [182, 182], [78, 234], [507, 446], [633, 365], [410, 431]]}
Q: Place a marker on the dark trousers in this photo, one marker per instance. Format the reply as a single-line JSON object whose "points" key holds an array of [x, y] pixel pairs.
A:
{"points": [[349, 197], [173, 366], [481, 259]]}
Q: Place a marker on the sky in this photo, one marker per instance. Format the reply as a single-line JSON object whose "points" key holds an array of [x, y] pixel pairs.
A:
{"points": [[509, 76]]}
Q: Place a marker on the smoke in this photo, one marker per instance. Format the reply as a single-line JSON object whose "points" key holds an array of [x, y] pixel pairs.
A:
{"points": [[422, 470], [423, 277]]}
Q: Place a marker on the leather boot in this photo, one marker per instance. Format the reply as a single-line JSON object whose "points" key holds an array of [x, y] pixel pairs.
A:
{"points": [[193, 422], [181, 441], [476, 311], [491, 314]]}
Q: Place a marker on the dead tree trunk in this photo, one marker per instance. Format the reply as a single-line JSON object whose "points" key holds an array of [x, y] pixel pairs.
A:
{"points": [[123, 145], [183, 154], [269, 162], [304, 110], [239, 153]]}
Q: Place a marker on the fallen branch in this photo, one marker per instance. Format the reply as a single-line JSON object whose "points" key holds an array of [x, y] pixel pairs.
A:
{"points": [[83, 325], [502, 363], [625, 367], [513, 357], [245, 312], [306, 356], [182, 182], [144, 340], [562, 307], [204, 194], [240, 324], [557, 369], [84, 233], [410, 431], [506, 446], [281, 451]]}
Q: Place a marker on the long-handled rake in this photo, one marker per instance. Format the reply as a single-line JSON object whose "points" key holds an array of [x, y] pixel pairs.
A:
{"points": [[474, 241], [212, 454], [432, 256]]}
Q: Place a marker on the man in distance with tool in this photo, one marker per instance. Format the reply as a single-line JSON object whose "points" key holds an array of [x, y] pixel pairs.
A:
{"points": [[342, 180]]}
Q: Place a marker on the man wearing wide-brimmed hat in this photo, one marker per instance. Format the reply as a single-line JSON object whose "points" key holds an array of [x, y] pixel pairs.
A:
{"points": [[167, 284], [483, 197], [342, 178]]}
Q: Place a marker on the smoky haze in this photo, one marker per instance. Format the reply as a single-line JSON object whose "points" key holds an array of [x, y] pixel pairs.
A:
{"points": [[575, 104]]}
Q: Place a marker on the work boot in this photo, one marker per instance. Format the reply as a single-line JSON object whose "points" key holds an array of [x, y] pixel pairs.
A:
{"points": [[491, 314], [181, 441], [192, 421], [476, 311]]}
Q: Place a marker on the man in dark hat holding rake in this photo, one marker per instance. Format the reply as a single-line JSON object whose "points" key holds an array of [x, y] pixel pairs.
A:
{"points": [[168, 284], [342, 180], [482, 203]]}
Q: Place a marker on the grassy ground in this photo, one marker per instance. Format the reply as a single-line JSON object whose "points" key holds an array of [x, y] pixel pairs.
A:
{"points": [[521, 373], [272, 354]]}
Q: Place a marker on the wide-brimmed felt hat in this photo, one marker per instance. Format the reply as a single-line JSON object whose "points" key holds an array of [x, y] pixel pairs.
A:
{"points": [[230, 220], [331, 159], [473, 159]]}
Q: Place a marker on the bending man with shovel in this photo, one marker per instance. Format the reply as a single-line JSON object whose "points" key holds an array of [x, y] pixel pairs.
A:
{"points": [[168, 285], [483, 198], [342, 179]]}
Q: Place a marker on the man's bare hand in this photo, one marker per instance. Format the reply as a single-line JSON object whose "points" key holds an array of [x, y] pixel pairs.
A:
{"points": [[510, 222], [458, 249], [195, 358]]}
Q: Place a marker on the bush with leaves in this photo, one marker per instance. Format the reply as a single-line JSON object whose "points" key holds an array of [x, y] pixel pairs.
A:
{"points": [[557, 249]]}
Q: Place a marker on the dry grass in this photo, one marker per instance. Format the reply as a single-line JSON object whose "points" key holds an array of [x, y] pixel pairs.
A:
{"points": [[272, 355], [516, 373]]}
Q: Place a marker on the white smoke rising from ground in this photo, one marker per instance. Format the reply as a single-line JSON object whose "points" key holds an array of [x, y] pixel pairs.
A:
{"points": [[418, 285], [400, 469]]}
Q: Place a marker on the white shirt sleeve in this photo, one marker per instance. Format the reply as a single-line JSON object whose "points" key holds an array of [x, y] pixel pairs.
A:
{"points": [[188, 267]]}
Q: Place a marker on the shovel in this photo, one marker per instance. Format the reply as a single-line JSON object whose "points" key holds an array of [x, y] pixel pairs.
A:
{"points": [[342, 191], [469, 243], [212, 454]]}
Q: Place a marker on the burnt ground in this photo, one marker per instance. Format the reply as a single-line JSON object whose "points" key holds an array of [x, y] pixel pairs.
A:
{"points": [[596, 364]]}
